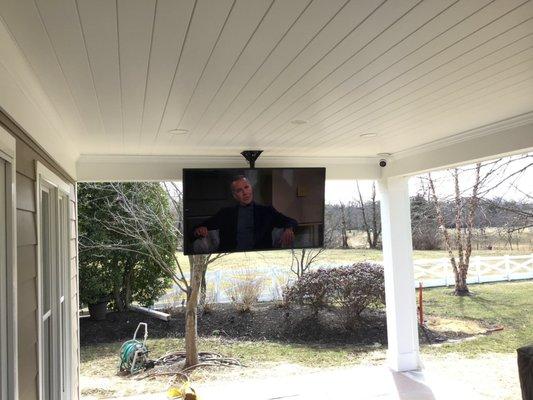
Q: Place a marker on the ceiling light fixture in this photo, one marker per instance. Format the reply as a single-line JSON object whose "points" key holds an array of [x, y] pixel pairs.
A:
{"points": [[298, 122], [368, 135], [178, 131]]}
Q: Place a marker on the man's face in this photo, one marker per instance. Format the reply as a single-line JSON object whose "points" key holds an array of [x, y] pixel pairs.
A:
{"points": [[242, 191]]}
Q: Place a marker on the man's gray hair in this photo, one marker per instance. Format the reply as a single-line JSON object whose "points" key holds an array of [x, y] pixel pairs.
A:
{"points": [[235, 178]]}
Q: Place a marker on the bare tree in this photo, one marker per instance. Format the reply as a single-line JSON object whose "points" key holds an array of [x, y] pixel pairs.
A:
{"points": [[462, 243], [372, 227], [495, 175], [425, 233], [137, 220], [518, 216], [303, 259]]}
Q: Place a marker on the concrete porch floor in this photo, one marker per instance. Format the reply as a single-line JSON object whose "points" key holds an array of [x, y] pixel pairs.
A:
{"points": [[360, 382]]}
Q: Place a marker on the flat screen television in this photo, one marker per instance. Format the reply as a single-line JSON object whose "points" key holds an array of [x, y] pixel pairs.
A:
{"points": [[233, 210]]}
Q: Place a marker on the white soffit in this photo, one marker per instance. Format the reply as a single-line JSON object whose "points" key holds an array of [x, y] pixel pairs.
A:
{"points": [[114, 77], [22, 97], [168, 168]]}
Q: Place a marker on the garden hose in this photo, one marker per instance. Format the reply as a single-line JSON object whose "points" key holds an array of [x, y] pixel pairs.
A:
{"points": [[133, 353]]}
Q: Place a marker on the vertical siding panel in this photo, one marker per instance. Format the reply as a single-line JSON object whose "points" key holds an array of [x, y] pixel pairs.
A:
{"points": [[26, 273]]}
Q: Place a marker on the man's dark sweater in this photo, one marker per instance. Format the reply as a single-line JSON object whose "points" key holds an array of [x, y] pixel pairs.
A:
{"points": [[228, 221]]}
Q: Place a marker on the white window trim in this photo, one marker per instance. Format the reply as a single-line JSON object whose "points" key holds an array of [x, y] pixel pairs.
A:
{"points": [[7, 153], [45, 177]]}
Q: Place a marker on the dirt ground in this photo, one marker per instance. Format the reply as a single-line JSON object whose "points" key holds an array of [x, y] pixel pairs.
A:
{"points": [[267, 321]]}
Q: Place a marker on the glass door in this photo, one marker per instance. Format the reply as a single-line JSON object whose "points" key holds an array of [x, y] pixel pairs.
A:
{"points": [[63, 289], [54, 283], [3, 282], [47, 320]]}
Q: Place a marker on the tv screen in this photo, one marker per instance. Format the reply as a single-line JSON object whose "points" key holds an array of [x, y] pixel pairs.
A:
{"points": [[232, 210]]}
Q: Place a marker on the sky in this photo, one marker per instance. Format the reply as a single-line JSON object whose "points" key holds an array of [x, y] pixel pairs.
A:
{"points": [[516, 188]]}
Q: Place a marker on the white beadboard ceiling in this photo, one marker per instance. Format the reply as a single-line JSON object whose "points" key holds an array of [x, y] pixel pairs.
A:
{"points": [[236, 74]]}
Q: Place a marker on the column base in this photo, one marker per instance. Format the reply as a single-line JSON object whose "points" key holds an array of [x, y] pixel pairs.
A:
{"points": [[403, 362]]}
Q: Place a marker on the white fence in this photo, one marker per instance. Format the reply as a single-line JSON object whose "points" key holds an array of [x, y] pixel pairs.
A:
{"points": [[431, 272], [438, 272]]}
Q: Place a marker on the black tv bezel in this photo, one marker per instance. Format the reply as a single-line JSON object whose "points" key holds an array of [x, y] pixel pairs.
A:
{"points": [[185, 227]]}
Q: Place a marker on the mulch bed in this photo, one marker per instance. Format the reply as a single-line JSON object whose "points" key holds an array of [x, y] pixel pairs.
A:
{"points": [[267, 321]]}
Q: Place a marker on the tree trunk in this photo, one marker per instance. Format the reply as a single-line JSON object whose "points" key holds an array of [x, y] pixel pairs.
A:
{"points": [[461, 288], [127, 295], [442, 227], [191, 334], [376, 230], [203, 290], [344, 234], [365, 222], [118, 298]]}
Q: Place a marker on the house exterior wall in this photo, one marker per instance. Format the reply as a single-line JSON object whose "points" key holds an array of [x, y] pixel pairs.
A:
{"points": [[27, 153]]}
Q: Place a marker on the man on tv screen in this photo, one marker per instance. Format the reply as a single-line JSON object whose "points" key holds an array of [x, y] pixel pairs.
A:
{"points": [[247, 225]]}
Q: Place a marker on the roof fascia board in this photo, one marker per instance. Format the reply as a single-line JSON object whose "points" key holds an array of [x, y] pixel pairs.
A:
{"points": [[99, 168], [503, 138]]}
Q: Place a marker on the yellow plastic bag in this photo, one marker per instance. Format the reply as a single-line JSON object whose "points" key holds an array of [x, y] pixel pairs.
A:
{"points": [[185, 392]]}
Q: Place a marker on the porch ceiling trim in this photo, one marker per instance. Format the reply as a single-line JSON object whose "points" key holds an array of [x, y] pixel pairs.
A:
{"points": [[101, 168], [511, 136]]}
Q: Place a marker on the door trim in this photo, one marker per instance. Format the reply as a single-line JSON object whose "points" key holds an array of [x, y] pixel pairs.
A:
{"points": [[7, 153], [59, 188]]}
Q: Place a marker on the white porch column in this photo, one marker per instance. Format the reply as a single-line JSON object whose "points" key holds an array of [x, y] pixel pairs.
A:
{"points": [[402, 325]]}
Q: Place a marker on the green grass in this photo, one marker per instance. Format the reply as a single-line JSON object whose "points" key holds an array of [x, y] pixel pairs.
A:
{"points": [[507, 304], [283, 257]]}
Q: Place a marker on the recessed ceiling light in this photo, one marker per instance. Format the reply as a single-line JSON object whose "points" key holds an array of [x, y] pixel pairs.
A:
{"points": [[178, 131], [368, 135], [298, 122], [384, 154]]}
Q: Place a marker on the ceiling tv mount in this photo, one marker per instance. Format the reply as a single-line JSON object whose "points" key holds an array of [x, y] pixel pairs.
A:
{"points": [[251, 156]]}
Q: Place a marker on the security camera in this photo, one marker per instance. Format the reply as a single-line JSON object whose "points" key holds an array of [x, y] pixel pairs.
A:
{"points": [[382, 162]]}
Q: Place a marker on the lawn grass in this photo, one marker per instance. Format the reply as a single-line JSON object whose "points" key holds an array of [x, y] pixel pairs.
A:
{"points": [[359, 252], [102, 359], [508, 304], [282, 258]]}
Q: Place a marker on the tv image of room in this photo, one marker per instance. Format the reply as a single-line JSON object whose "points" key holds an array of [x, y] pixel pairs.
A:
{"points": [[235, 210]]}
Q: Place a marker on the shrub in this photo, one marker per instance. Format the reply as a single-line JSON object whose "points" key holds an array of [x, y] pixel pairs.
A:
{"points": [[347, 290], [355, 288], [245, 290], [310, 289], [177, 301], [209, 299], [96, 286]]}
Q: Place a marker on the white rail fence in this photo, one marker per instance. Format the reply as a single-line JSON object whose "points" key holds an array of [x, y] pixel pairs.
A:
{"points": [[482, 269], [431, 272]]}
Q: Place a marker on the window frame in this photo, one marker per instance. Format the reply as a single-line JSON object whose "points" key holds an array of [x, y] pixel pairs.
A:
{"points": [[9, 354], [57, 188]]}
